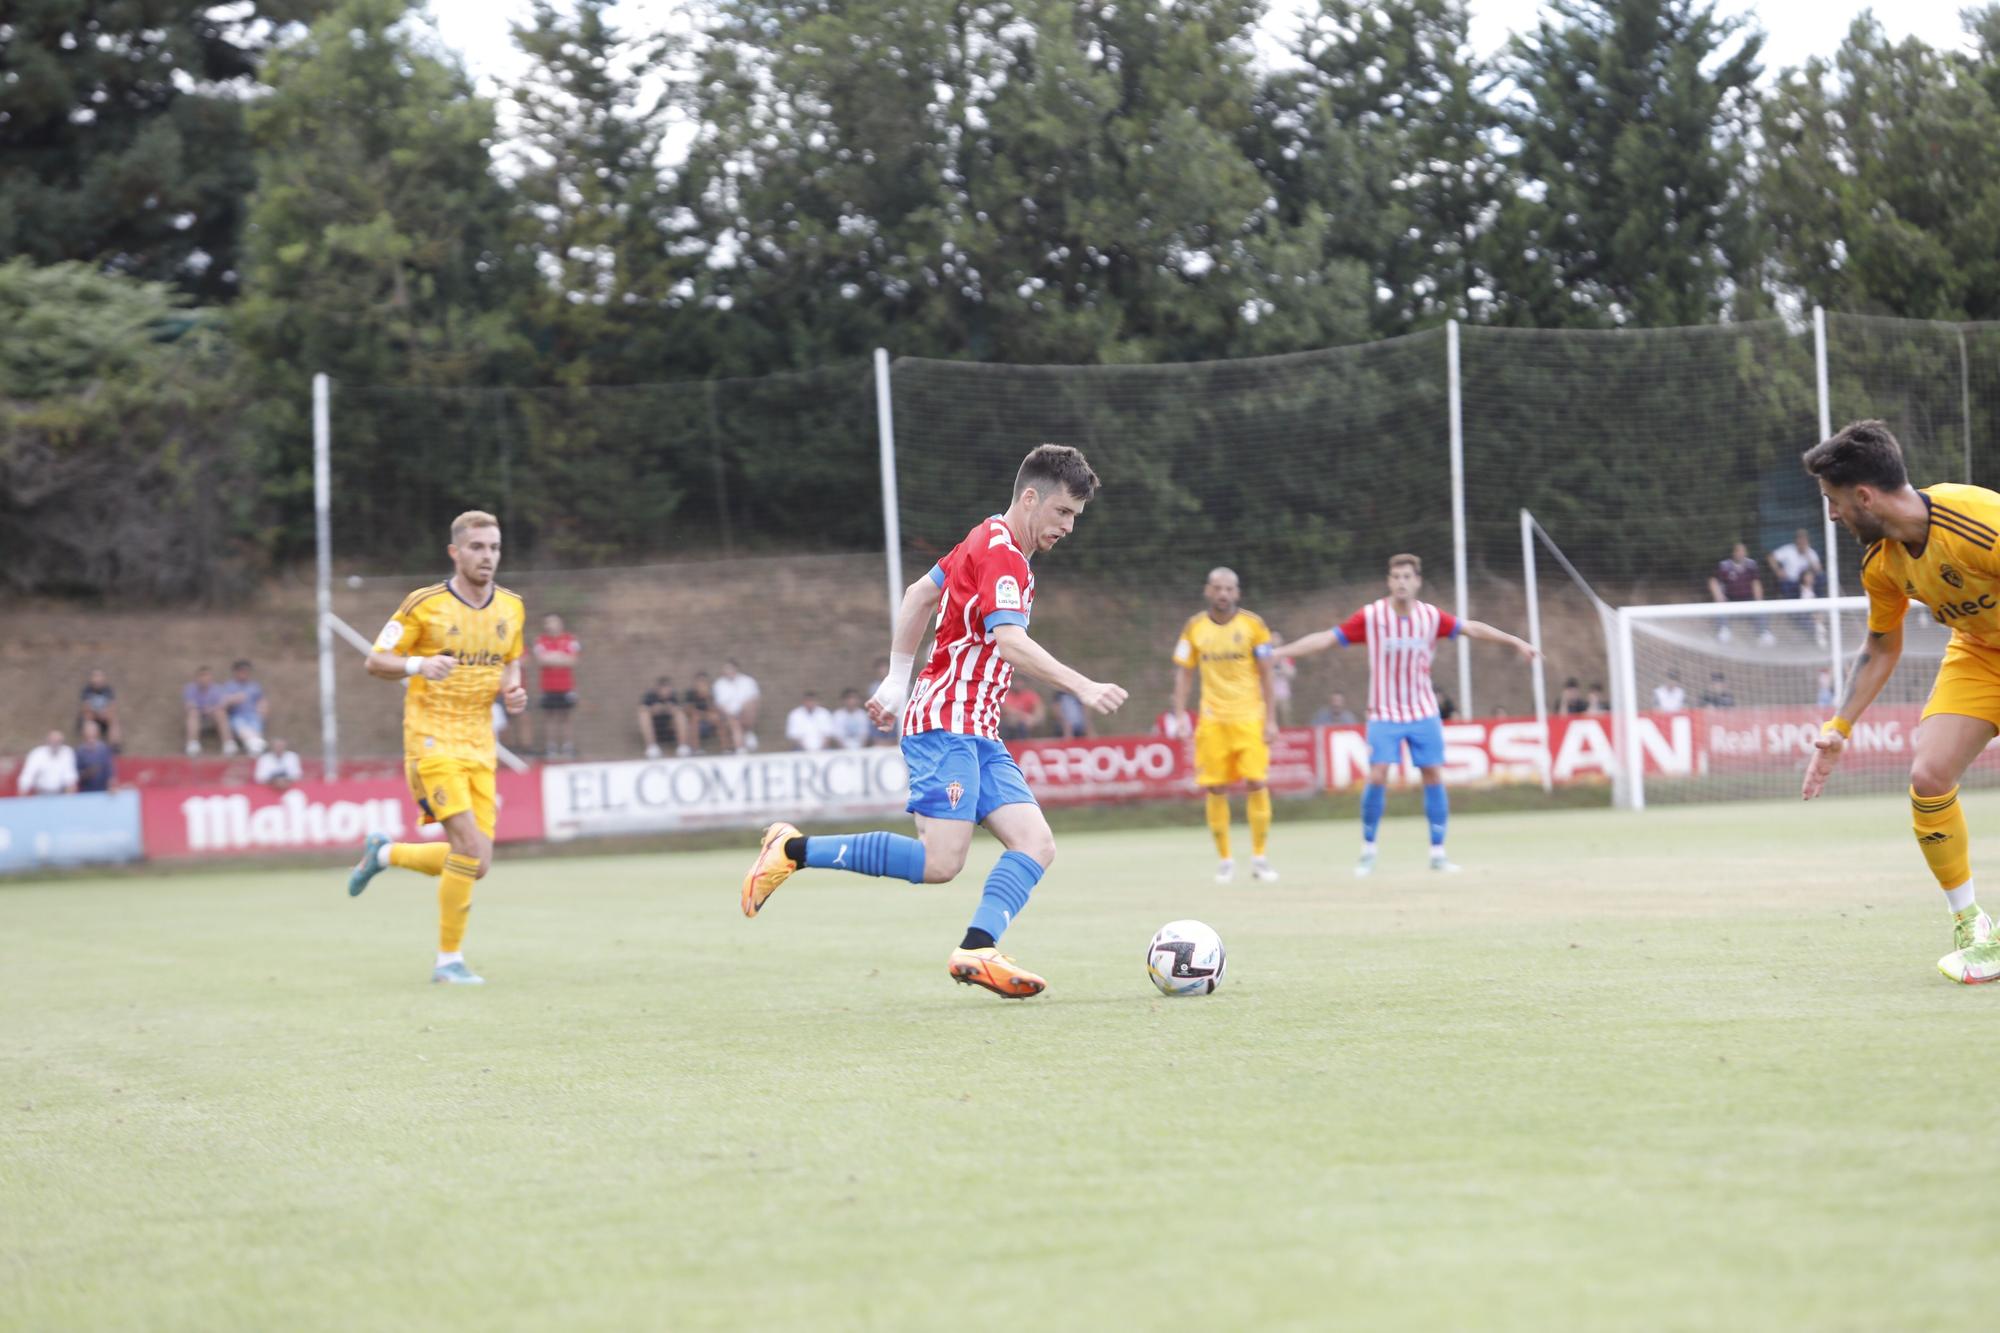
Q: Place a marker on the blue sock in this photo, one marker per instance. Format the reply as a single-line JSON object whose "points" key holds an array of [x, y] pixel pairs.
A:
{"points": [[1373, 797], [889, 855], [1014, 877], [1437, 809]]}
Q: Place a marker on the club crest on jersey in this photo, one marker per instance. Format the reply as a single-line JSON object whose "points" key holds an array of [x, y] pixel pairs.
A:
{"points": [[1007, 593], [954, 792], [1951, 576], [503, 631]]}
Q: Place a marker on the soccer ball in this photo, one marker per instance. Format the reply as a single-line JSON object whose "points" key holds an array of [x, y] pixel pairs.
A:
{"points": [[1185, 958]]}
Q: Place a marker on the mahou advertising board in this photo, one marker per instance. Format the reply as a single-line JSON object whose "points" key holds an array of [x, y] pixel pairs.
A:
{"points": [[311, 816]]}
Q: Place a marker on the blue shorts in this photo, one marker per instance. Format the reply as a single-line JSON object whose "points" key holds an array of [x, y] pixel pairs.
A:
{"points": [[954, 776], [1425, 737]]}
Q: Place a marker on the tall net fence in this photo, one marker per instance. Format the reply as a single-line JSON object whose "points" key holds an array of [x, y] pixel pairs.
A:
{"points": [[675, 526], [1302, 473], [672, 527]]}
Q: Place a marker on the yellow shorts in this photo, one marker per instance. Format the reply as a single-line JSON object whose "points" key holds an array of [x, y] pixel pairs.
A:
{"points": [[1226, 752], [446, 787], [1968, 683]]}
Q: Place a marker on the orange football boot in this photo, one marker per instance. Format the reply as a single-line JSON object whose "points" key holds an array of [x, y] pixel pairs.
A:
{"points": [[997, 972], [771, 868]]}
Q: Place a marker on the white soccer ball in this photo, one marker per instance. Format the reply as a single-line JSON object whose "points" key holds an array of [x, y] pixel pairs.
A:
{"points": [[1185, 958]]}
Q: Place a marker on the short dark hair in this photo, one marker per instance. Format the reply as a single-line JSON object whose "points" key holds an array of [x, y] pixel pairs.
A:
{"points": [[240, 664], [1051, 465], [1861, 453]]}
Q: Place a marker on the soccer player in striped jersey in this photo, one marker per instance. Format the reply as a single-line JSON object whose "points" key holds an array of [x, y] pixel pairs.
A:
{"points": [[1935, 546], [960, 773], [458, 645], [1402, 635]]}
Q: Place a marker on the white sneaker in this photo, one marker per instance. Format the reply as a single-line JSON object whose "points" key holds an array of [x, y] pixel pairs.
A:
{"points": [[193, 748], [229, 747], [1723, 634], [1366, 865], [1443, 864], [1225, 871], [1766, 639], [1261, 871], [652, 752], [682, 751]]}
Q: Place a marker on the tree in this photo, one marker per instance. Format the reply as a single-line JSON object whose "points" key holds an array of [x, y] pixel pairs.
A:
{"points": [[1630, 120], [121, 133], [122, 471], [379, 246], [1382, 145], [591, 197], [1881, 176]]}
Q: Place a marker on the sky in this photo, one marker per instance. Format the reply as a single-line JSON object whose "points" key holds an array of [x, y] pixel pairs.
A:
{"points": [[1794, 29]]}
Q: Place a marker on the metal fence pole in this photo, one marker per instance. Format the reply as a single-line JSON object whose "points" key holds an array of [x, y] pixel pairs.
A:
{"points": [[329, 720], [892, 524], [1829, 530], [1457, 405]]}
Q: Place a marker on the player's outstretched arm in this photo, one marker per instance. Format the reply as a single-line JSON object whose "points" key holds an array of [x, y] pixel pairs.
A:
{"points": [[1024, 654], [913, 617], [1479, 629], [1307, 645], [1872, 668]]}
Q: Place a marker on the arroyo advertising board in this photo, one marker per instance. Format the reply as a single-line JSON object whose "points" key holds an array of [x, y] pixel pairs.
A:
{"points": [[82, 828]]}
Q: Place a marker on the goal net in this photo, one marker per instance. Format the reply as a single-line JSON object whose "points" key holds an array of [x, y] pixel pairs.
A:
{"points": [[1722, 701]]}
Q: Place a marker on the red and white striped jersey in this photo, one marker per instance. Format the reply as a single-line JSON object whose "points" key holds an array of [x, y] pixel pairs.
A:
{"points": [[1400, 649], [985, 583]]}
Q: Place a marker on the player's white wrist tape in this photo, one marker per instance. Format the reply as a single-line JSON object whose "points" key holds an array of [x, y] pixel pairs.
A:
{"points": [[413, 665], [894, 691]]}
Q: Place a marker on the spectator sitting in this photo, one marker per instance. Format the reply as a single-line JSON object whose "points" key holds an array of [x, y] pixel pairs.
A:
{"points": [[851, 727], [1571, 698], [556, 651], [1335, 712], [1797, 566], [704, 721], [1669, 696], [96, 767], [50, 768], [1735, 580], [278, 767], [736, 697], [1717, 695], [1020, 713], [809, 726], [1593, 699], [202, 698], [99, 704], [1072, 718], [661, 721], [244, 700]]}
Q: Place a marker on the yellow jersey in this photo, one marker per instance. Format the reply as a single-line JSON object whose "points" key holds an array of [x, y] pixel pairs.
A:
{"points": [[453, 718], [1232, 686], [1956, 574]]}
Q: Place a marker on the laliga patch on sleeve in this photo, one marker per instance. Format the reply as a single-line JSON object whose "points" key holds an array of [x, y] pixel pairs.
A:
{"points": [[391, 635], [1007, 594]]}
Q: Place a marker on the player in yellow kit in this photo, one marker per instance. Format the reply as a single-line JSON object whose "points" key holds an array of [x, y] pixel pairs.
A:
{"points": [[1239, 714], [1937, 546], [458, 644]]}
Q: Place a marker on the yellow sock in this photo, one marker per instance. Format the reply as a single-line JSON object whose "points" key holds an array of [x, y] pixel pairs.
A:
{"points": [[1218, 822], [426, 857], [1940, 825], [1259, 807], [454, 901]]}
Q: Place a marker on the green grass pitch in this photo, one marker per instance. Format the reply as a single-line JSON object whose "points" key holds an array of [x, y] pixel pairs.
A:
{"points": [[1692, 1069]]}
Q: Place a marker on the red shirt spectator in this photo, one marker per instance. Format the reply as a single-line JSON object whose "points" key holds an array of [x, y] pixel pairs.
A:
{"points": [[558, 676]]}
